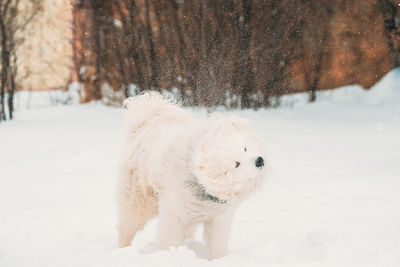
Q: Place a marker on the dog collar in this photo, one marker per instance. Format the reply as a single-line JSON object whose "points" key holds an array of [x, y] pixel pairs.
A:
{"points": [[207, 196], [202, 194], [214, 198]]}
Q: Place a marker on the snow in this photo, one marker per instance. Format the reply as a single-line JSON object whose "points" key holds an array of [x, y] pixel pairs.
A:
{"points": [[332, 198]]}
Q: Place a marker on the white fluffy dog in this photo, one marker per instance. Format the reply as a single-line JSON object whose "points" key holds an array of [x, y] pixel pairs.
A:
{"points": [[187, 171]]}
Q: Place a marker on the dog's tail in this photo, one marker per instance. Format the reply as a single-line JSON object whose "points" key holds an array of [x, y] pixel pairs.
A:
{"points": [[148, 107]]}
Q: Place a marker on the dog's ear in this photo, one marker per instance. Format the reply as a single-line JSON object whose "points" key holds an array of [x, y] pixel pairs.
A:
{"points": [[226, 125], [219, 128]]}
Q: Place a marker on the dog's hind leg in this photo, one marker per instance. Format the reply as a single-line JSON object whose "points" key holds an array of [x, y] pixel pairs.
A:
{"points": [[136, 206]]}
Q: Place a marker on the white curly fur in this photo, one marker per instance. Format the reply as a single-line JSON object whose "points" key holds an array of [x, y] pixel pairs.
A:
{"points": [[185, 171]]}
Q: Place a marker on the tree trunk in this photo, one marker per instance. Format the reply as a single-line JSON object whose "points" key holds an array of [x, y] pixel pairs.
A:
{"points": [[154, 82], [5, 62], [85, 47], [390, 12], [243, 79], [183, 71], [10, 99]]}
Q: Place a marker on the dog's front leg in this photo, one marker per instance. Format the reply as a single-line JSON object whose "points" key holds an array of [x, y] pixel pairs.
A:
{"points": [[216, 234], [170, 232]]}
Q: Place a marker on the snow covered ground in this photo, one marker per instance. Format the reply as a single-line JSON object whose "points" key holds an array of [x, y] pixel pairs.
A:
{"points": [[332, 199]]}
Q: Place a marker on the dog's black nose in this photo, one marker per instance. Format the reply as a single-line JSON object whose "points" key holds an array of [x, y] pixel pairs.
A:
{"points": [[259, 162]]}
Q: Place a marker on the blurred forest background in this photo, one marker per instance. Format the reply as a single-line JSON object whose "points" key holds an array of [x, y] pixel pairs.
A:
{"points": [[236, 53]]}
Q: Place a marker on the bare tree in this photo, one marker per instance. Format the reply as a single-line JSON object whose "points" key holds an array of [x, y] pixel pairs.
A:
{"points": [[244, 74], [318, 48], [234, 52], [390, 10], [86, 47], [15, 15]]}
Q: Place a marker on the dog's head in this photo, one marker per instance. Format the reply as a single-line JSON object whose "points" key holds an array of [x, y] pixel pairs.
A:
{"points": [[230, 159]]}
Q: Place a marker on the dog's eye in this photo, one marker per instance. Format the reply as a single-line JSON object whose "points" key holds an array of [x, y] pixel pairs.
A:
{"points": [[237, 164], [245, 148]]}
